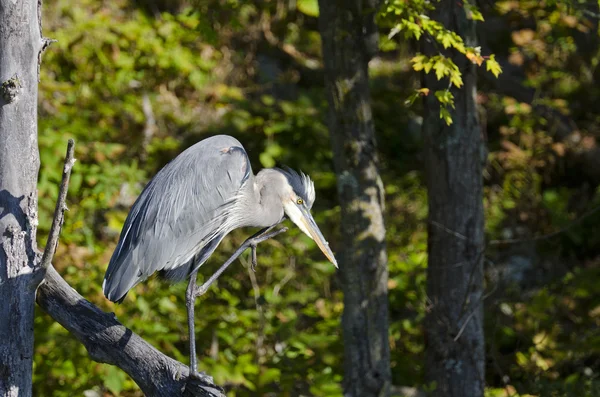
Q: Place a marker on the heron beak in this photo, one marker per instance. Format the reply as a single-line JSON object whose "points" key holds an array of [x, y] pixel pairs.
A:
{"points": [[304, 220]]}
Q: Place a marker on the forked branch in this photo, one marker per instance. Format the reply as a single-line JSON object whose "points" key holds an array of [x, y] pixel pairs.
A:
{"points": [[61, 207]]}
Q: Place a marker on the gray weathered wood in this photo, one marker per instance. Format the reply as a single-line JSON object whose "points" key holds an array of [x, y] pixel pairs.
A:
{"points": [[454, 323], [108, 341], [61, 207], [349, 38], [20, 45]]}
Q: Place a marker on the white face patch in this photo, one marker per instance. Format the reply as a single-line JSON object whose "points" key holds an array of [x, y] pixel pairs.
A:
{"points": [[295, 215]]}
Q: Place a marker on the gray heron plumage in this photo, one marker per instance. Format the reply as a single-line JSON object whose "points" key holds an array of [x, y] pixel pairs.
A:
{"points": [[192, 203]]}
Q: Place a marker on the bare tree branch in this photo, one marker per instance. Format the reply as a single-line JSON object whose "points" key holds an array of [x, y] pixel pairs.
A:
{"points": [[533, 239], [109, 341], [61, 207], [550, 235]]}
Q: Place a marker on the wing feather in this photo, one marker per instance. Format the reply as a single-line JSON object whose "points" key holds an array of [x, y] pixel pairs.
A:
{"points": [[178, 214]]}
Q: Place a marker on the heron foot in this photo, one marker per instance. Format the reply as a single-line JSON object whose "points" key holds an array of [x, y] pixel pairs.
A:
{"points": [[253, 242], [202, 376], [201, 290], [201, 384]]}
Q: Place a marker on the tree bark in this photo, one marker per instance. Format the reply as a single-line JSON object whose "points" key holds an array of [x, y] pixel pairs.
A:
{"points": [[349, 39], [108, 341], [20, 46], [454, 325]]}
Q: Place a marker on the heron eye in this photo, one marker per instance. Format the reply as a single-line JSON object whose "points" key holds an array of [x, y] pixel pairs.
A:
{"points": [[300, 201]]}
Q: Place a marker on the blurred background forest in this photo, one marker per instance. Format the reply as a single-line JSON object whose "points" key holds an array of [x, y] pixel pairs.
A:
{"points": [[136, 82]]}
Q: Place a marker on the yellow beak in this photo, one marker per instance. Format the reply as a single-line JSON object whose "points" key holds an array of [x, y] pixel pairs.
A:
{"points": [[304, 220]]}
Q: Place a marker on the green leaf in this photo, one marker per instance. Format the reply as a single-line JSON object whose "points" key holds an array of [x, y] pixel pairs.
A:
{"points": [[491, 65], [456, 79], [472, 11], [445, 97], [445, 115], [411, 99], [419, 62], [440, 69], [446, 39], [476, 15], [269, 376], [411, 29], [115, 379], [308, 7], [427, 66]]}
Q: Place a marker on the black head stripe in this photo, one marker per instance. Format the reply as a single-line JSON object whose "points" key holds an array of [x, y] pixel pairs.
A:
{"points": [[301, 184]]}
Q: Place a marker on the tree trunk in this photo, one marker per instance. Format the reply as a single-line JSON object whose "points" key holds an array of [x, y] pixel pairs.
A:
{"points": [[349, 39], [454, 325], [20, 46]]}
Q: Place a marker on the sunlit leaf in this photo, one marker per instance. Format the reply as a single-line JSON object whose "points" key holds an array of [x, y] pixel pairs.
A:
{"points": [[308, 7], [445, 115], [491, 65]]}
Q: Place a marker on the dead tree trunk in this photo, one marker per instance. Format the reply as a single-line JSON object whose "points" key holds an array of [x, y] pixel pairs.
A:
{"points": [[20, 46], [349, 39], [454, 325], [22, 267]]}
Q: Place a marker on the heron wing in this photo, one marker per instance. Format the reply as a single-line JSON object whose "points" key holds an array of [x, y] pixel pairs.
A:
{"points": [[177, 214]]}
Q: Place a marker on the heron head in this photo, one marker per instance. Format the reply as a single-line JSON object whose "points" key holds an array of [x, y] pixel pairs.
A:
{"points": [[297, 203]]}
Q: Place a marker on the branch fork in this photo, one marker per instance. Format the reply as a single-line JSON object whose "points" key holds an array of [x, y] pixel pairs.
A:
{"points": [[61, 207]]}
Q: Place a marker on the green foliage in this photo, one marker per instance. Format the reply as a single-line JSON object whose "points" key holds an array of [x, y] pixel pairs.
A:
{"points": [[411, 19], [92, 89], [277, 331], [551, 358]]}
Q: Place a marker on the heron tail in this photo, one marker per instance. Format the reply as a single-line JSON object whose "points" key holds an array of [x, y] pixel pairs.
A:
{"points": [[119, 279]]}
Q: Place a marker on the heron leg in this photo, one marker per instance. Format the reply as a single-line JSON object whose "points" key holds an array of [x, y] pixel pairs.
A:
{"points": [[193, 291], [190, 301], [254, 243], [251, 242], [254, 262]]}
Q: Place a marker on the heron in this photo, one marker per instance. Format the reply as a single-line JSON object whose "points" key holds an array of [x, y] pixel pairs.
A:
{"points": [[191, 204]]}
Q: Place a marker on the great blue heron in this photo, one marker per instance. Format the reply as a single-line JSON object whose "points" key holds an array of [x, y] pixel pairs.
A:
{"points": [[191, 204]]}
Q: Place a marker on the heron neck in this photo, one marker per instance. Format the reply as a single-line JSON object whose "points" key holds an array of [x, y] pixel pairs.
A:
{"points": [[267, 209]]}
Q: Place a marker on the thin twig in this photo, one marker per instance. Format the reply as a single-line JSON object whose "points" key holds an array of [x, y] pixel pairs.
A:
{"points": [[494, 271], [290, 275], [464, 326], [261, 314], [549, 235], [476, 307], [61, 207], [450, 231], [522, 240], [470, 281]]}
